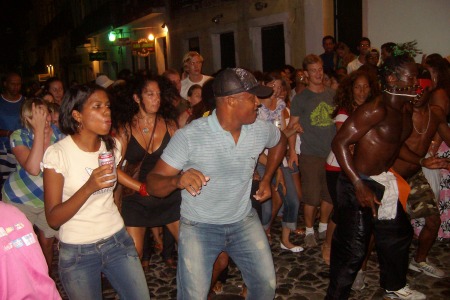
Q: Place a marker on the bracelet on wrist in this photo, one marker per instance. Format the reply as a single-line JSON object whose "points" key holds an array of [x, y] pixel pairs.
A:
{"points": [[421, 161], [143, 190]]}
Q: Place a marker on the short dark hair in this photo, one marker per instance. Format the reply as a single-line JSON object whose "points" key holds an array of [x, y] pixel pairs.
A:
{"points": [[391, 65], [389, 47], [50, 81], [193, 88], [9, 75], [365, 39], [328, 37]]}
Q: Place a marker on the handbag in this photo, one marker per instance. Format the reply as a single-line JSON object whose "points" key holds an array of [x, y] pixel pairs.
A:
{"points": [[133, 170]]}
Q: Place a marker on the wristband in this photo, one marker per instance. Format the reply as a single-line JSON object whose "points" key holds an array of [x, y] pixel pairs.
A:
{"points": [[143, 190], [420, 161]]}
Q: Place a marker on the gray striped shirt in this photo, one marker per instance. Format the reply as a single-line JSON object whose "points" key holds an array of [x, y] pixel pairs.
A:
{"points": [[204, 145]]}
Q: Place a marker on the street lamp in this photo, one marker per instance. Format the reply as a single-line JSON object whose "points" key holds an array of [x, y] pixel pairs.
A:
{"points": [[112, 36]]}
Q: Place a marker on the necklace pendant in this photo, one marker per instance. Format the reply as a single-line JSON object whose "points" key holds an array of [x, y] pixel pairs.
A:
{"points": [[145, 130]]}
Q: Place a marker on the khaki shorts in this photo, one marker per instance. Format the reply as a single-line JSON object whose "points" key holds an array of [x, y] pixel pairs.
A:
{"points": [[314, 180], [421, 202], [36, 216]]}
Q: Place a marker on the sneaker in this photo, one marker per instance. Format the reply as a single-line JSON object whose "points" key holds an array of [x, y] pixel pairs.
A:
{"points": [[359, 284], [427, 268], [310, 240], [322, 235], [405, 293]]}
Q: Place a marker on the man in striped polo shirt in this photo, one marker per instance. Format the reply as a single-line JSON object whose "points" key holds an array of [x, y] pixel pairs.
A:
{"points": [[212, 160]]}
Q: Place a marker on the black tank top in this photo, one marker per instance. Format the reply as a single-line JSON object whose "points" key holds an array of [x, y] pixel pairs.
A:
{"points": [[135, 153]]}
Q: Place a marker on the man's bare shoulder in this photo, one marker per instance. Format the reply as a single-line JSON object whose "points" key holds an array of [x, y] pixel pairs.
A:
{"points": [[374, 110], [438, 112], [440, 98]]}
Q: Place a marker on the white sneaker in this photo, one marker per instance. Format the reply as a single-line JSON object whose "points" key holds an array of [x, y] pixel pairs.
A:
{"points": [[405, 293], [427, 268], [359, 284]]}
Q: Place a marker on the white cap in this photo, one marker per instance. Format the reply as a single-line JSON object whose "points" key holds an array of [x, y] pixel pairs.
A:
{"points": [[103, 81]]}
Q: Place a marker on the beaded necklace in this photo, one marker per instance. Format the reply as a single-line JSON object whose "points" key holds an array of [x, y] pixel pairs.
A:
{"points": [[397, 91]]}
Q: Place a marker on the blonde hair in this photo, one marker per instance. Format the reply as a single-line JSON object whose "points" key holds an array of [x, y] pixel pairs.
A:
{"points": [[26, 110], [311, 59], [188, 57]]}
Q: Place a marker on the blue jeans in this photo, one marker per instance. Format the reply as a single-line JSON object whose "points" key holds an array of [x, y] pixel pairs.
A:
{"points": [[80, 268], [291, 202], [244, 241]]}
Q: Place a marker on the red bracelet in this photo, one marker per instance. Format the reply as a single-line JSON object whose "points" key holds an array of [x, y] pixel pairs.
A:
{"points": [[143, 190]]}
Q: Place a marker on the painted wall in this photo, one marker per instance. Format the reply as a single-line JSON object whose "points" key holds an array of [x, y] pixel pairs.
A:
{"points": [[428, 22], [314, 26]]}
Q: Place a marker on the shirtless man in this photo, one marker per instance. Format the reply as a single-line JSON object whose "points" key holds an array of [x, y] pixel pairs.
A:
{"points": [[378, 130], [427, 120]]}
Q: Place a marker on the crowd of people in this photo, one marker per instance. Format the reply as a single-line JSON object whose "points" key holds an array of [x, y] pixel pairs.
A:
{"points": [[356, 144]]}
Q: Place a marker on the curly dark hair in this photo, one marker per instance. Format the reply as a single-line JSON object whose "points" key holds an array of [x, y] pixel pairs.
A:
{"points": [[74, 99], [442, 67], [124, 108], [344, 94]]}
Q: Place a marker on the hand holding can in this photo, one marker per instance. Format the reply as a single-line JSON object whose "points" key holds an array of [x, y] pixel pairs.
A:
{"points": [[108, 158]]}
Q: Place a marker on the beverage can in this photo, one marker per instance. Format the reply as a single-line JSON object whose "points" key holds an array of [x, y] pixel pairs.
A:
{"points": [[277, 123], [108, 158]]}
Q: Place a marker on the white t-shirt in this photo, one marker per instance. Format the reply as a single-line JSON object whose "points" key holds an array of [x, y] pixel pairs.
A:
{"points": [[353, 65], [187, 83], [99, 217], [332, 163]]}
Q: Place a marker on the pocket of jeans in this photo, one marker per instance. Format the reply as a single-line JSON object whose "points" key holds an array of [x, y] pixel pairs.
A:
{"points": [[127, 243], [68, 258]]}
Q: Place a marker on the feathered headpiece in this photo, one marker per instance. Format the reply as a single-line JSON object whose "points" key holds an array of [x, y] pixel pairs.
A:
{"points": [[408, 48]]}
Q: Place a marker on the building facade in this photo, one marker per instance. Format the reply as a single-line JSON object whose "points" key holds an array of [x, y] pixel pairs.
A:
{"points": [[73, 36]]}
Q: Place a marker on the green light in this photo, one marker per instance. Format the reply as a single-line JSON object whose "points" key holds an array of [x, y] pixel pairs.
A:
{"points": [[112, 36]]}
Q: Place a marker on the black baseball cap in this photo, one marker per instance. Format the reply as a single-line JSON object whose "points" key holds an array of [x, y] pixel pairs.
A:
{"points": [[236, 80]]}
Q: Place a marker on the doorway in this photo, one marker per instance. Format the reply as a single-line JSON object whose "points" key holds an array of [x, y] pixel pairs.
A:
{"points": [[272, 42]]}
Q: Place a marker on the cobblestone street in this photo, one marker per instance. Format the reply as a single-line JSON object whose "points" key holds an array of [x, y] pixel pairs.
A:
{"points": [[300, 276]]}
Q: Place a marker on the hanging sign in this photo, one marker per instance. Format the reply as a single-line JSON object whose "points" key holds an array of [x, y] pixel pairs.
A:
{"points": [[143, 47], [97, 56]]}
